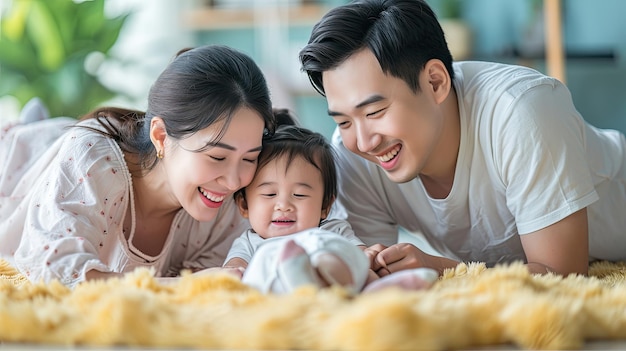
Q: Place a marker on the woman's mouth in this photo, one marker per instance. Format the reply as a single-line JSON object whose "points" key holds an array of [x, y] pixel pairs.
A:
{"points": [[210, 199]]}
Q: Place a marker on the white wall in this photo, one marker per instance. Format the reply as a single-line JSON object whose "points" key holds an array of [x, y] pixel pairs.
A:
{"points": [[150, 39]]}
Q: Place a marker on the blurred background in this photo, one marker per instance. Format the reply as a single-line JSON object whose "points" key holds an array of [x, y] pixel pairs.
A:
{"points": [[77, 55]]}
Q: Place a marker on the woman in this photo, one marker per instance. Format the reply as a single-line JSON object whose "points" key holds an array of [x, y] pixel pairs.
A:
{"points": [[125, 189]]}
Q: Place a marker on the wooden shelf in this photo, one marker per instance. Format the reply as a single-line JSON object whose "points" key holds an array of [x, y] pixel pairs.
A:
{"points": [[230, 18]]}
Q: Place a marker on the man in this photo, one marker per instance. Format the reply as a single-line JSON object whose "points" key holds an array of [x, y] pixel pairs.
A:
{"points": [[491, 162]]}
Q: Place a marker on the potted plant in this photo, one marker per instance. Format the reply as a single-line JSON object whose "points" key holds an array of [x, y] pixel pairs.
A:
{"points": [[52, 50]]}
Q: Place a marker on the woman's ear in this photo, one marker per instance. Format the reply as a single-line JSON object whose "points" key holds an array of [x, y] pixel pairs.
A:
{"points": [[438, 80], [158, 134]]}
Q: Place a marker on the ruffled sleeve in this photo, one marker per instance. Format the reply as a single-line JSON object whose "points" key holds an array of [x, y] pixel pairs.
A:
{"points": [[75, 214]]}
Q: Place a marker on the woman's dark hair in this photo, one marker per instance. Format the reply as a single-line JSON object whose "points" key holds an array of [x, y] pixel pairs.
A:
{"points": [[293, 141], [403, 35], [200, 87]]}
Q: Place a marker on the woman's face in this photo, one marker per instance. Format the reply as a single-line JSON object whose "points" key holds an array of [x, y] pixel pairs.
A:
{"points": [[200, 181]]}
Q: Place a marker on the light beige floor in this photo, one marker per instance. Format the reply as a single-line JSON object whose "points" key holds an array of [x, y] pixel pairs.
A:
{"points": [[596, 345], [416, 239]]}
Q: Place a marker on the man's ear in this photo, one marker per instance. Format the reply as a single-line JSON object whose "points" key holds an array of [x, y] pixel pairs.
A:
{"points": [[240, 200], [158, 134], [438, 80]]}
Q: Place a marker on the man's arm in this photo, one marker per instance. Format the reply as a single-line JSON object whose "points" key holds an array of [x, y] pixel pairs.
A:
{"points": [[398, 257], [561, 248]]}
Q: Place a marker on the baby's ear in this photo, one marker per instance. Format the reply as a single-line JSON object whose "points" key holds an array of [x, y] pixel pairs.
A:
{"points": [[240, 200], [324, 214], [326, 209]]}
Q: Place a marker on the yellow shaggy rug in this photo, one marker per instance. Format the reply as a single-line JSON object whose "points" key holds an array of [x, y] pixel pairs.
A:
{"points": [[470, 306]]}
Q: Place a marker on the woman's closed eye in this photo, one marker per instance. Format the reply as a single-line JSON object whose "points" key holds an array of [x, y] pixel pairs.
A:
{"points": [[249, 160]]}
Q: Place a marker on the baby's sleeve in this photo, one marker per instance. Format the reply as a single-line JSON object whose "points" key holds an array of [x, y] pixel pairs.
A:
{"points": [[241, 248], [342, 228]]}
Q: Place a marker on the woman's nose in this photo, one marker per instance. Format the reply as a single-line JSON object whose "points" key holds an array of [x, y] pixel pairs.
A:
{"points": [[232, 179]]}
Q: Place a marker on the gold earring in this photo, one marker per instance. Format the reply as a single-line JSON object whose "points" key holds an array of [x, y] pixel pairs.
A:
{"points": [[160, 153]]}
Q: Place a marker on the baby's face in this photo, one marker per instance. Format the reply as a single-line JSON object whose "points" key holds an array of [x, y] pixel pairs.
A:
{"points": [[285, 198]]}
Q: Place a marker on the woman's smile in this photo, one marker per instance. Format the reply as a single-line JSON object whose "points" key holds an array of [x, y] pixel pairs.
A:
{"points": [[210, 199]]}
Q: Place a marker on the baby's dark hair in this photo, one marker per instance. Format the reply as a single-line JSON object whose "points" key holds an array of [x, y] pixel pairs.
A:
{"points": [[292, 141]]}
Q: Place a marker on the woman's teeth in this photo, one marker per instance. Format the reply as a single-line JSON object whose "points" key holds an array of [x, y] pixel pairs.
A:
{"points": [[211, 196]]}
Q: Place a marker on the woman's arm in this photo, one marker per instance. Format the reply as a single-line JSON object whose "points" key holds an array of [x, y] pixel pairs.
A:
{"points": [[97, 275], [74, 219]]}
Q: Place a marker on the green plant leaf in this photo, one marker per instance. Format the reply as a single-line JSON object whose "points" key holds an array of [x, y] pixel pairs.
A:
{"points": [[44, 33], [18, 56], [14, 24], [91, 18], [65, 18], [10, 81], [47, 60], [110, 33]]}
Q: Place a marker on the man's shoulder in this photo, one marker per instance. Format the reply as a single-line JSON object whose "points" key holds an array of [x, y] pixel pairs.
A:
{"points": [[492, 77], [490, 66]]}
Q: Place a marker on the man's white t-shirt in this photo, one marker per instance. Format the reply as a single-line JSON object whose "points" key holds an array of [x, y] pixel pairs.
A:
{"points": [[527, 159]]}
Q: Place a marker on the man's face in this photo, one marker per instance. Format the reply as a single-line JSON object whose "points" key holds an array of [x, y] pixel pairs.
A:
{"points": [[381, 119]]}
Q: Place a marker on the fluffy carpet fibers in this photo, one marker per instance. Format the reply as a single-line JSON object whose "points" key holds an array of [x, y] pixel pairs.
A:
{"points": [[470, 306]]}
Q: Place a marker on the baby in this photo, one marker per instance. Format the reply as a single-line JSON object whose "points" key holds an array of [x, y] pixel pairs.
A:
{"points": [[290, 242]]}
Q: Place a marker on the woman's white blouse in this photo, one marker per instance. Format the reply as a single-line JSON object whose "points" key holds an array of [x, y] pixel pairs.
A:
{"points": [[63, 197]]}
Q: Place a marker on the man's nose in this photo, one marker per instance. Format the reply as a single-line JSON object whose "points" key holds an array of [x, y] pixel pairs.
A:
{"points": [[366, 139]]}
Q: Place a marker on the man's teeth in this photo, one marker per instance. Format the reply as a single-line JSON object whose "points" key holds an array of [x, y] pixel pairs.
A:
{"points": [[390, 155], [212, 197]]}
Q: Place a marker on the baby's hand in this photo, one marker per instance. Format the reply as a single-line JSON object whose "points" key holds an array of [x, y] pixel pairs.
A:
{"points": [[377, 264]]}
